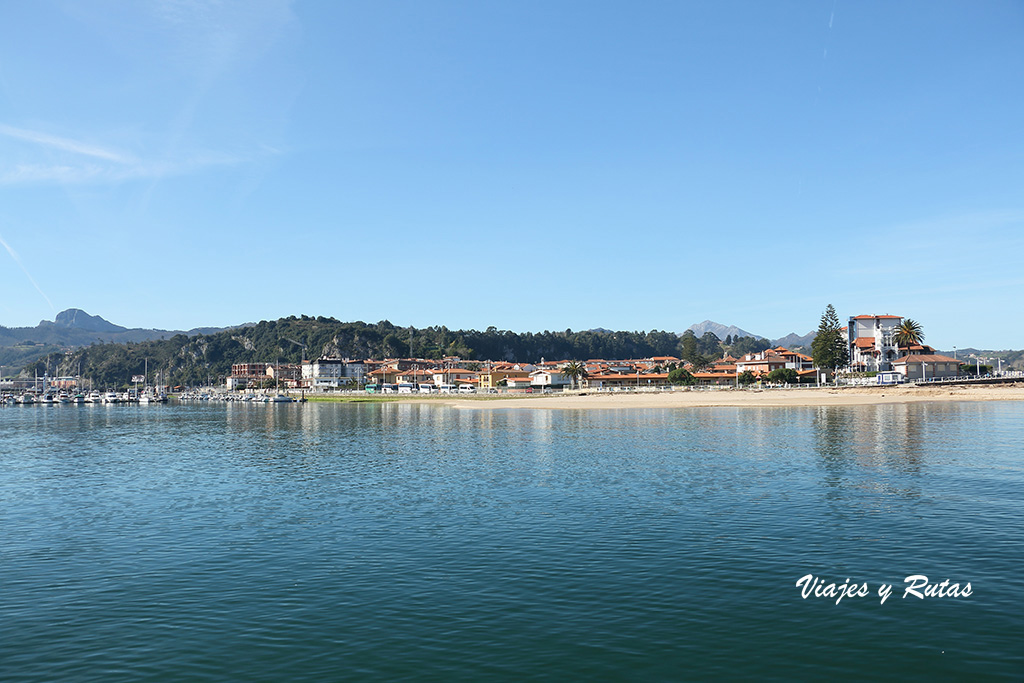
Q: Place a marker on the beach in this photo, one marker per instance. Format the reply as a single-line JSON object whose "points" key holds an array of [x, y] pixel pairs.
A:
{"points": [[698, 398]]}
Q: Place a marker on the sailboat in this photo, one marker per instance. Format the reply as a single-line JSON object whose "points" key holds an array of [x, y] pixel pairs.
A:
{"points": [[280, 398]]}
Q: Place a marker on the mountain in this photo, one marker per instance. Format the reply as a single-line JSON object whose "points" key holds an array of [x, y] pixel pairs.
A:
{"points": [[721, 331], [80, 320], [792, 340], [74, 327]]}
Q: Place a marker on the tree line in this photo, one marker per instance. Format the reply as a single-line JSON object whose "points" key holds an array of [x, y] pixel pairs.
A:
{"points": [[193, 360]]}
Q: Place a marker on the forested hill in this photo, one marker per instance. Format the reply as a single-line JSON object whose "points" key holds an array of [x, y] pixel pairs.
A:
{"points": [[190, 360]]}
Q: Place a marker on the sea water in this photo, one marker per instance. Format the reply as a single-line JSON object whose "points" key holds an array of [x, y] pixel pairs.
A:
{"points": [[415, 541]]}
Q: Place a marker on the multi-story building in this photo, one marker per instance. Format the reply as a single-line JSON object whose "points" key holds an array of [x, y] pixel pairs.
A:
{"points": [[249, 370], [246, 375], [490, 377], [871, 342], [331, 373]]}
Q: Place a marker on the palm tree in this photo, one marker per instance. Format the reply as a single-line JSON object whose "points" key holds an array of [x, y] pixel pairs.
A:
{"points": [[575, 371], [908, 333]]}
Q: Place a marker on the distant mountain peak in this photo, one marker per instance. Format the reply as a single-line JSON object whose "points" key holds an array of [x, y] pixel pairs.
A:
{"points": [[793, 339], [721, 331], [76, 318]]}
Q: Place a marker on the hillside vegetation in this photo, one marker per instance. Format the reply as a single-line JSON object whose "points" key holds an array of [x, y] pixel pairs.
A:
{"points": [[185, 360]]}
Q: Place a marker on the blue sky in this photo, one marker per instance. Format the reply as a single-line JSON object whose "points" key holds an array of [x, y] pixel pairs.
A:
{"points": [[527, 165]]}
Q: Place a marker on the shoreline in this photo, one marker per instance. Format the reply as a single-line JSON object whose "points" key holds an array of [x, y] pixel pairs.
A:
{"points": [[767, 398]]}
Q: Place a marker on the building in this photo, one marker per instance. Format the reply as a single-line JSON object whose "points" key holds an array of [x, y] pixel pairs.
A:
{"points": [[285, 372], [721, 372], [871, 342], [926, 366], [249, 370], [760, 363], [455, 376], [636, 380], [332, 373], [491, 377], [548, 378], [244, 375]]}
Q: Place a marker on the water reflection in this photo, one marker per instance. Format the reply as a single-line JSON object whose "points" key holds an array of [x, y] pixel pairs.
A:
{"points": [[871, 455]]}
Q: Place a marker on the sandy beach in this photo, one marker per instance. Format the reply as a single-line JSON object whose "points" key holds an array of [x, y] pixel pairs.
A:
{"points": [[853, 396]]}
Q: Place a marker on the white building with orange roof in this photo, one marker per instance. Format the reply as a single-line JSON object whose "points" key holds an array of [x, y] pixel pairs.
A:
{"points": [[871, 342], [455, 376], [549, 377], [794, 360]]}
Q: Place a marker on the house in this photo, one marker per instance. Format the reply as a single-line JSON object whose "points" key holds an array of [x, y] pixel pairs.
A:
{"points": [[548, 378], [760, 363], [926, 366], [722, 371], [491, 377], [659, 362], [384, 374], [518, 382], [794, 360], [455, 376], [416, 377], [871, 342]]}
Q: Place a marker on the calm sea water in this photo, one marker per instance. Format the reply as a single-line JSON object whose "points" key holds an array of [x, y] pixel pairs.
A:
{"points": [[385, 541]]}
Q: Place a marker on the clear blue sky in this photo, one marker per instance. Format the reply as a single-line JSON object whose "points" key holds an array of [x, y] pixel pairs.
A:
{"points": [[527, 165]]}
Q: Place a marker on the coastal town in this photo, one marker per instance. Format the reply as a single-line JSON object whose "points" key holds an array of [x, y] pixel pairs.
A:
{"points": [[876, 353], [874, 350]]}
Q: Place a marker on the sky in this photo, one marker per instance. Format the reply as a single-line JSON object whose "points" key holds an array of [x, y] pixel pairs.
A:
{"points": [[531, 166]]}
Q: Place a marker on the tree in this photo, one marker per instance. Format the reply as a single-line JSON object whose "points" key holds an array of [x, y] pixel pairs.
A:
{"points": [[783, 376], [700, 362], [908, 333], [688, 346], [575, 371], [746, 377], [829, 346], [681, 376]]}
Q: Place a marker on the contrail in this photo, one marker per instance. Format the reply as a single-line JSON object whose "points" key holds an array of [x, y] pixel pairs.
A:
{"points": [[31, 279], [63, 143]]}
